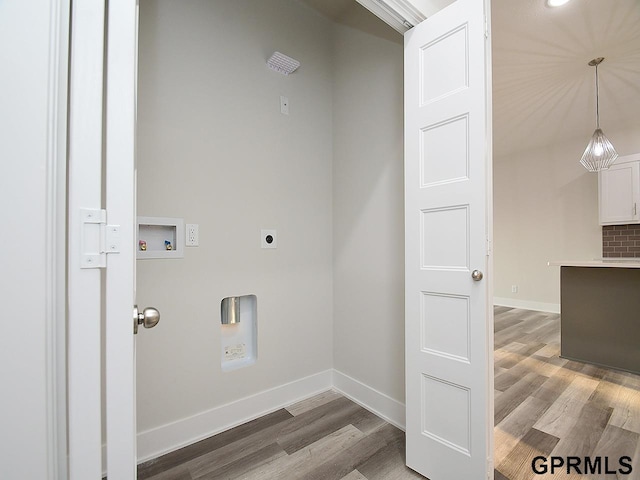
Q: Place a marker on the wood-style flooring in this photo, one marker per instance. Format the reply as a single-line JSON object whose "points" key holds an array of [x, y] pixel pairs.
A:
{"points": [[544, 405], [326, 437]]}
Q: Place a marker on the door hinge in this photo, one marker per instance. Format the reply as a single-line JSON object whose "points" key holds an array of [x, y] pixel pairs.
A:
{"points": [[97, 238], [486, 27], [489, 247]]}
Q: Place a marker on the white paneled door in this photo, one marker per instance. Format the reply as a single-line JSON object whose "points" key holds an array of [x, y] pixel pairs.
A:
{"points": [[447, 217], [120, 186]]}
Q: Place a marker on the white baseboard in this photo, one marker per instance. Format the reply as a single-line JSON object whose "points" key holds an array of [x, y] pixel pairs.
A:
{"points": [[376, 402], [166, 438], [172, 436], [527, 305]]}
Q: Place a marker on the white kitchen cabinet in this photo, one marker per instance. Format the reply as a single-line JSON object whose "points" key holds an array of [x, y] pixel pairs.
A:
{"points": [[619, 192]]}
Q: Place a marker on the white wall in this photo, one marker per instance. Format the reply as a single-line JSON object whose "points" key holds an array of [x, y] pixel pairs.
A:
{"points": [[215, 150], [546, 208], [32, 146], [368, 203]]}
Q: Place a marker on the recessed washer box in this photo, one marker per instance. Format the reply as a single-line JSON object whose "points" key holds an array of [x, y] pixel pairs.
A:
{"points": [[160, 237]]}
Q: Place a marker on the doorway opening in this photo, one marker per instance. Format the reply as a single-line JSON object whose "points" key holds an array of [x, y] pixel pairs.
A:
{"points": [[216, 149], [546, 209]]}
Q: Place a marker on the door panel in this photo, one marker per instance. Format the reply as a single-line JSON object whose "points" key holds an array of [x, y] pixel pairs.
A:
{"points": [[120, 274], [448, 319], [84, 284]]}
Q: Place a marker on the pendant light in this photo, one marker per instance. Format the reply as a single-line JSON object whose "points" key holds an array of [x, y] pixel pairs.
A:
{"points": [[556, 3], [599, 154]]}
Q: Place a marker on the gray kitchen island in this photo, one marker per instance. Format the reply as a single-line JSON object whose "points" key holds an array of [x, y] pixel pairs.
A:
{"points": [[600, 312]]}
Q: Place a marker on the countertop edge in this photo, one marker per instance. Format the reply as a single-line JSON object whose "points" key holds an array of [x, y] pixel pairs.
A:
{"points": [[596, 263]]}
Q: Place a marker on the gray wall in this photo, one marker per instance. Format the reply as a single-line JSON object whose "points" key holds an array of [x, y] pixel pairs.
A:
{"points": [[215, 150], [368, 210], [546, 208]]}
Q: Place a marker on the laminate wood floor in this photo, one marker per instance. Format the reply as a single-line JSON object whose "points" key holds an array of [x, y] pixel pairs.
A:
{"points": [[323, 438], [544, 405]]}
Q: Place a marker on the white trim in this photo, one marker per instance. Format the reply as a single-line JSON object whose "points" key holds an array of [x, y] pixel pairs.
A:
{"points": [[84, 394], [634, 157], [373, 400], [55, 255], [527, 305], [119, 196], [401, 15], [398, 14], [172, 436], [490, 331], [167, 438]]}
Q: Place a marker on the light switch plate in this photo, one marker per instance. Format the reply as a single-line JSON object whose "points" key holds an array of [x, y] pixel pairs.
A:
{"points": [[284, 105], [268, 238]]}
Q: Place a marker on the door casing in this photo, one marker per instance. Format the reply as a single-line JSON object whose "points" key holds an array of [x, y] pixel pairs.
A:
{"points": [[85, 22]]}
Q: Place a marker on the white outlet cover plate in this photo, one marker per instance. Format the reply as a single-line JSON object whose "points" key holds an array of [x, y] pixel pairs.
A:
{"points": [[264, 234], [192, 235], [284, 105]]}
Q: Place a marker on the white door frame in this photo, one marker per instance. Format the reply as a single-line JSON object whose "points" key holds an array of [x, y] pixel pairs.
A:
{"points": [[84, 284], [57, 241], [120, 368], [84, 187], [89, 229], [33, 124]]}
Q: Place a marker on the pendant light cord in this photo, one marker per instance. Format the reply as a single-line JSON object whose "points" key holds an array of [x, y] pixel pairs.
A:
{"points": [[597, 101]]}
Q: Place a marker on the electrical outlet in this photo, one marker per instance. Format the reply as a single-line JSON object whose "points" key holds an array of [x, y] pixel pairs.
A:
{"points": [[514, 288], [192, 235], [268, 239]]}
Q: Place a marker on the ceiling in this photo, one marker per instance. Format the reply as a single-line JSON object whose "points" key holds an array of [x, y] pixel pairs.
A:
{"points": [[543, 90], [352, 14], [332, 9]]}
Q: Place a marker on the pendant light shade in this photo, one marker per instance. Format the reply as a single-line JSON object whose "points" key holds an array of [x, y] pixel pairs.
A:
{"points": [[599, 154]]}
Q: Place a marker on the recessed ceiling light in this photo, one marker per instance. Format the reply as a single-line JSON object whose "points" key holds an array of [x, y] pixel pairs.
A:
{"points": [[556, 3]]}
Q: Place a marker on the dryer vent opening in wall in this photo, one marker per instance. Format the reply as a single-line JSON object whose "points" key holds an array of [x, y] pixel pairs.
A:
{"points": [[239, 335], [282, 63]]}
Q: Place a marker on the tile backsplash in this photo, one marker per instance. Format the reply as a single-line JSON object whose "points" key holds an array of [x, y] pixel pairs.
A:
{"points": [[621, 241]]}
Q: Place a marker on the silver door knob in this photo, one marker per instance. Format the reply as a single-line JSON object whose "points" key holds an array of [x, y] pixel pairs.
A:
{"points": [[149, 318], [477, 275]]}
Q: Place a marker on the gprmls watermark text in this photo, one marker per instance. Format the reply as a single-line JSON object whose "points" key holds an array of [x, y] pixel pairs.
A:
{"points": [[582, 465]]}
